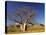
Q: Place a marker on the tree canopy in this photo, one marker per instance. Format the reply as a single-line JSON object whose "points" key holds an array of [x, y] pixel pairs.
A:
{"points": [[22, 14]]}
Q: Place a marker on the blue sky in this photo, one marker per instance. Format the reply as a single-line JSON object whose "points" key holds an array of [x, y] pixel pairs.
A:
{"points": [[39, 7]]}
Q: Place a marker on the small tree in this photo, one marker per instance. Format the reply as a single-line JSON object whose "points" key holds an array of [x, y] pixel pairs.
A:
{"points": [[22, 15]]}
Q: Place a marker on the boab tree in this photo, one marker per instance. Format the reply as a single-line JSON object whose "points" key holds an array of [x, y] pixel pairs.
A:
{"points": [[22, 15]]}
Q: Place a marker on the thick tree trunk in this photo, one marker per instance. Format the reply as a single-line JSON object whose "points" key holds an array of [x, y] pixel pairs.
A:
{"points": [[23, 27]]}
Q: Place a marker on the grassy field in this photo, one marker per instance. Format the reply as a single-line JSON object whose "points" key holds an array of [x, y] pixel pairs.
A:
{"points": [[34, 28]]}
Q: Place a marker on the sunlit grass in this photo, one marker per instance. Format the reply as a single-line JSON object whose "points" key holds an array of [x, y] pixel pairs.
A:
{"points": [[34, 28]]}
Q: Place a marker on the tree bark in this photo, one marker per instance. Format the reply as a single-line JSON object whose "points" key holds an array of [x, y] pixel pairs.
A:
{"points": [[23, 27]]}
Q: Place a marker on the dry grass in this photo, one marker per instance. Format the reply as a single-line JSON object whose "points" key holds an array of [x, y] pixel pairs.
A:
{"points": [[34, 28]]}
